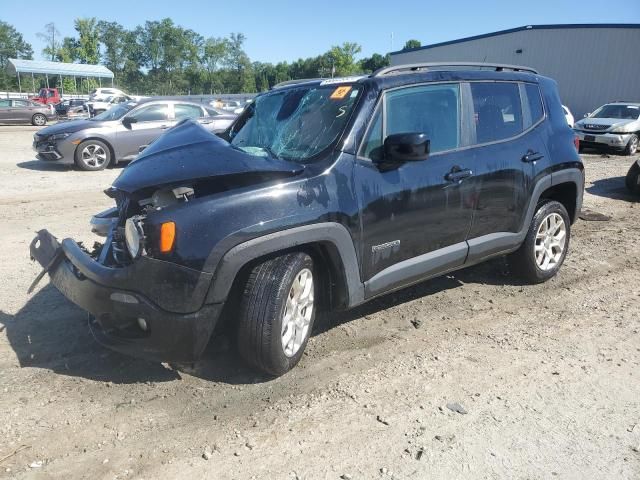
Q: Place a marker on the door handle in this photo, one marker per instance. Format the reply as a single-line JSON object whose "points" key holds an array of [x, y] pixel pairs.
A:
{"points": [[457, 174], [532, 156], [164, 127]]}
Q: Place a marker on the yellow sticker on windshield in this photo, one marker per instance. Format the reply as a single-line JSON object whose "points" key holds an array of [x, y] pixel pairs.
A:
{"points": [[340, 92]]}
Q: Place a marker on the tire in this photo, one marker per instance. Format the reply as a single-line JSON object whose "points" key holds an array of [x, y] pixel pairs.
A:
{"points": [[92, 155], [632, 180], [632, 145], [38, 120], [541, 254], [264, 341]]}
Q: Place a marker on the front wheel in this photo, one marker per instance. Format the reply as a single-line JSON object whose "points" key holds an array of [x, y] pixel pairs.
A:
{"points": [[632, 145], [277, 313], [545, 247], [38, 120], [632, 180], [92, 155]]}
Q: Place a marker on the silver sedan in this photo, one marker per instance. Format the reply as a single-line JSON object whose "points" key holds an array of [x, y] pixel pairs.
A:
{"points": [[16, 110], [121, 132]]}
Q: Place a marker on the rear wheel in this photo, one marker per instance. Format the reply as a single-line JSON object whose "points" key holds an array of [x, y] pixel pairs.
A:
{"points": [[632, 180], [277, 313], [632, 145], [92, 155], [545, 247], [38, 120]]}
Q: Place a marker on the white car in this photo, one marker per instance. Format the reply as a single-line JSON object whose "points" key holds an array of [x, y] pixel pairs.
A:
{"points": [[569, 116], [101, 94], [97, 107]]}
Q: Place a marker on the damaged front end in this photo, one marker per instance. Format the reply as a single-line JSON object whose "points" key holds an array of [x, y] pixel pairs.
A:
{"points": [[145, 299]]}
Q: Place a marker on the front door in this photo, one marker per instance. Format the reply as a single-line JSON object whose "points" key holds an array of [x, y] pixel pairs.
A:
{"points": [[416, 215], [150, 121]]}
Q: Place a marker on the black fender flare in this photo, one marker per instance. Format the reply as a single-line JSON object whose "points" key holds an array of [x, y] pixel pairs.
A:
{"points": [[333, 233]]}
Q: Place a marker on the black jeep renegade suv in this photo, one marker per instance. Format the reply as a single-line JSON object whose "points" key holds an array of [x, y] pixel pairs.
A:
{"points": [[324, 192]]}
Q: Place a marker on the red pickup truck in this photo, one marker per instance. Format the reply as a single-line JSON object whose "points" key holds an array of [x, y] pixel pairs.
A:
{"points": [[47, 95]]}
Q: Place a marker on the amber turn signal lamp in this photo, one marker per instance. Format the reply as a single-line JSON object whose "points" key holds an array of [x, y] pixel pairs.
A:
{"points": [[167, 236]]}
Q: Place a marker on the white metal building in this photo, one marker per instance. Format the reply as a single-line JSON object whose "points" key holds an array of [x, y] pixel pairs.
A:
{"points": [[592, 63]]}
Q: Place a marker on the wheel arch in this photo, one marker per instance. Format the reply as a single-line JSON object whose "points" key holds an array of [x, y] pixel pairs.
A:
{"points": [[566, 193], [330, 246]]}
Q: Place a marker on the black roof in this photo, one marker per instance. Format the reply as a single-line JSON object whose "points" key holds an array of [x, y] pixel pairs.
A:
{"points": [[558, 26]]}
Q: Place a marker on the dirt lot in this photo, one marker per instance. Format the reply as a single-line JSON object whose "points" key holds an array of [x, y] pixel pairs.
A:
{"points": [[548, 375]]}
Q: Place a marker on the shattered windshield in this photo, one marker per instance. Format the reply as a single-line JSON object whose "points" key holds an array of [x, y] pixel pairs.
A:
{"points": [[114, 113], [296, 123]]}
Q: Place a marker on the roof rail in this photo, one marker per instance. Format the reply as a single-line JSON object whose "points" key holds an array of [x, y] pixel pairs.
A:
{"points": [[414, 67], [295, 82]]}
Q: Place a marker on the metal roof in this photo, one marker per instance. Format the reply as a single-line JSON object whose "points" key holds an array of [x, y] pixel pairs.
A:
{"points": [[558, 26], [84, 70]]}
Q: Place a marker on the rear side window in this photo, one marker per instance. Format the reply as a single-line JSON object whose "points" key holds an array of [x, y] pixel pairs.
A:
{"points": [[497, 111], [5, 103], [534, 101], [187, 111]]}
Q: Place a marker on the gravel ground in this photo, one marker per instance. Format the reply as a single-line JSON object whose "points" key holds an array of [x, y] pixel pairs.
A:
{"points": [[472, 375]]}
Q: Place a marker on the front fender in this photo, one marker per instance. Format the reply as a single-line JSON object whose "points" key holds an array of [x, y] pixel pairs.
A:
{"points": [[325, 232]]}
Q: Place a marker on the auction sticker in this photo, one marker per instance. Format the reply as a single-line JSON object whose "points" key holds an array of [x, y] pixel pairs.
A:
{"points": [[340, 92]]}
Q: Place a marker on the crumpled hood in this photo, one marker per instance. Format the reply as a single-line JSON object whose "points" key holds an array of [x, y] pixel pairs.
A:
{"points": [[69, 127], [188, 152]]}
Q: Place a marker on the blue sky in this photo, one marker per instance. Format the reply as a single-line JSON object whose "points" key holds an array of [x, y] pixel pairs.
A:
{"points": [[286, 30]]}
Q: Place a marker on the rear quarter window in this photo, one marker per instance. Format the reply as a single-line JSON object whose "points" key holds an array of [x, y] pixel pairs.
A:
{"points": [[534, 102]]}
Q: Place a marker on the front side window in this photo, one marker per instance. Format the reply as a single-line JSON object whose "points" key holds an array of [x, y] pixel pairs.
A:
{"points": [[430, 109], [497, 111], [115, 113], [152, 113], [295, 123], [183, 110], [21, 103]]}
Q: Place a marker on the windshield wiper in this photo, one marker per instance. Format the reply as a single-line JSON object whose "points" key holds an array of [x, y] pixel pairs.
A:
{"points": [[270, 152]]}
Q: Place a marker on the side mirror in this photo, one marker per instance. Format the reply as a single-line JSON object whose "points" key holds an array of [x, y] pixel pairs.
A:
{"points": [[406, 147], [128, 121], [586, 115]]}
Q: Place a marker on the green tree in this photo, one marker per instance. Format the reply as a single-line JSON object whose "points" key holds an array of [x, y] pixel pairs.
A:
{"points": [[113, 37], [240, 78], [375, 62], [88, 39], [51, 37], [214, 52], [12, 44], [412, 44], [68, 50], [343, 58]]}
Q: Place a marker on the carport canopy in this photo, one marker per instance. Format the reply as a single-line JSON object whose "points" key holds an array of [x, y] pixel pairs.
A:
{"points": [[41, 67]]}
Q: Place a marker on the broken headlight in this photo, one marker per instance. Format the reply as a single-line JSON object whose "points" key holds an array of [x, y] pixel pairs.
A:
{"points": [[133, 236]]}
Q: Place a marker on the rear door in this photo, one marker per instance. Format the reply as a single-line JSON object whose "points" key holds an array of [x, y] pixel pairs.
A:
{"points": [[151, 121], [22, 110], [506, 146]]}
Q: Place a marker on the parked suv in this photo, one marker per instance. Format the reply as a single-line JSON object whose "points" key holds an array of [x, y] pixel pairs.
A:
{"points": [[325, 194], [614, 125]]}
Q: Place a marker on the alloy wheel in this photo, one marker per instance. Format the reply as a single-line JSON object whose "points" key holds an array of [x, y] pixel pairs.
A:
{"points": [[93, 156], [551, 240], [297, 313]]}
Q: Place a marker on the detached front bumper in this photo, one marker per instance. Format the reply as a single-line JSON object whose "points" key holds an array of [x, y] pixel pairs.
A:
{"points": [[106, 293], [612, 140]]}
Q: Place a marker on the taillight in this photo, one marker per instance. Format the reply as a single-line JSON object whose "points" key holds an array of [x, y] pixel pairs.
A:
{"points": [[576, 142]]}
